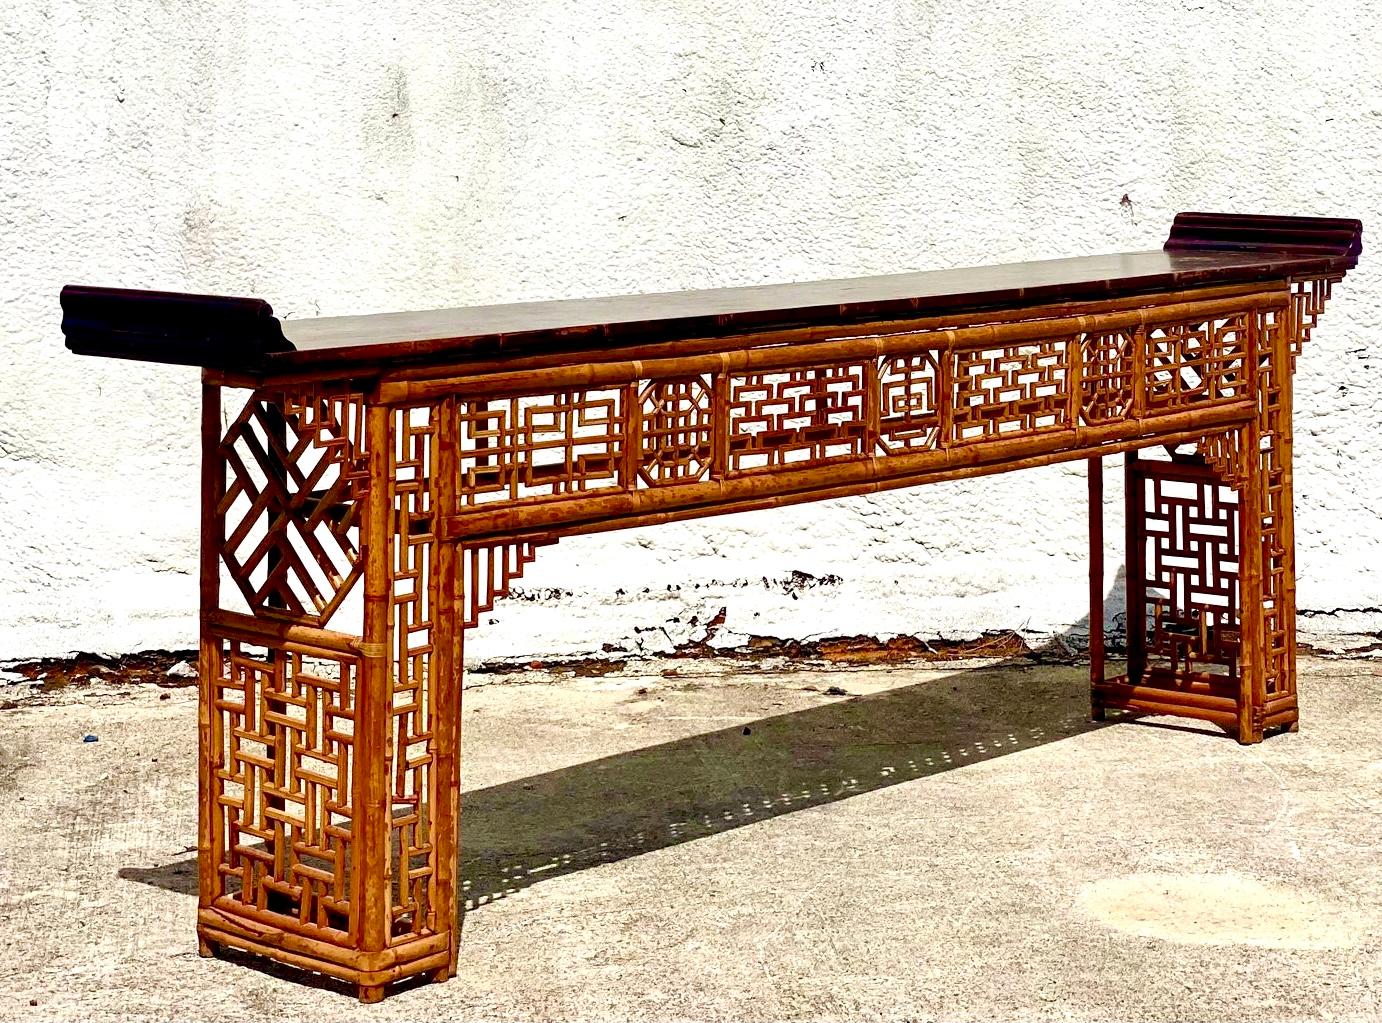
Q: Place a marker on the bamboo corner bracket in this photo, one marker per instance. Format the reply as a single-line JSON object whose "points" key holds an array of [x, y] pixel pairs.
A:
{"points": [[384, 479]]}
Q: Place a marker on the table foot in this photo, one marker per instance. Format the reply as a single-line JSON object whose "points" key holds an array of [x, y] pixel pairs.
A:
{"points": [[205, 949], [370, 993]]}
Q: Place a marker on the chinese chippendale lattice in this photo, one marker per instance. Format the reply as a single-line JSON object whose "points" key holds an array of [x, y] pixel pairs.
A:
{"points": [[463, 475], [388, 479]]}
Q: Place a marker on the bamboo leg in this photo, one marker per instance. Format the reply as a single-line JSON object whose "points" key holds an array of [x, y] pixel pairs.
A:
{"points": [[278, 747], [1096, 586], [370, 831], [1135, 574], [1286, 530], [208, 662], [1252, 663], [445, 682]]}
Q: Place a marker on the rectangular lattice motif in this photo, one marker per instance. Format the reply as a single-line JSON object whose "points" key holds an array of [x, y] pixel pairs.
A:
{"points": [[1191, 529], [411, 748], [540, 445], [909, 418], [1274, 495], [1191, 363], [410, 816], [1106, 376], [282, 740], [1016, 389], [797, 416]]}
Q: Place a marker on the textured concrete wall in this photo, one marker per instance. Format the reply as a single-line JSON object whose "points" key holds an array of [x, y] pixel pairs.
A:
{"points": [[354, 157]]}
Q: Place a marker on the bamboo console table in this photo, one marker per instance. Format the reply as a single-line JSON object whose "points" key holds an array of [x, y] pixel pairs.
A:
{"points": [[386, 478]]}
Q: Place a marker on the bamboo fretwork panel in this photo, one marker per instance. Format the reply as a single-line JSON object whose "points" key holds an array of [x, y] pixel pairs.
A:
{"points": [[488, 570], [282, 747], [283, 753], [410, 752], [1271, 441], [1201, 516], [1190, 532], [1308, 298], [810, 415], [291, 519], [687, 430]]}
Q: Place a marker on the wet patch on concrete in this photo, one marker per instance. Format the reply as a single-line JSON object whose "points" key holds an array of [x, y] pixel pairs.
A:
{"points": [[1221, 909]]}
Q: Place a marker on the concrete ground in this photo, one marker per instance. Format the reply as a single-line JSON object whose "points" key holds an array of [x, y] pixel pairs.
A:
{"points": [[692, 841]]}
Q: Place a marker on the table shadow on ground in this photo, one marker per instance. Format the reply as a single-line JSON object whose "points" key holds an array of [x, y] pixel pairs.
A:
{"points": [[519, 833], [530, 829]]}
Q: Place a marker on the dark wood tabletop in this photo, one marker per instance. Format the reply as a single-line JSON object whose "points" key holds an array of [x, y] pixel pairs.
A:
{"points": [[242, 333]]}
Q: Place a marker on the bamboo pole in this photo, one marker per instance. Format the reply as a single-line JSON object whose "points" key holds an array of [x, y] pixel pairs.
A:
{"points": [[1138, 408], [444, 681], [209, 846], [1096, 584], [227, 918], [1134, 571], [277, 560], [1225, 719], [1287, 717], [370, 769], [1074, 381], [945, 401], [1286, 333], [227, 913], [305, 639], [370, 982], [1122, 691], [719, 445], [1251, 591], [1251, 656]]}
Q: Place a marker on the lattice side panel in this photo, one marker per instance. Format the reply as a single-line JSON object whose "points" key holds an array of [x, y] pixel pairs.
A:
{"points": [[1017, 389], [798, 417], [290, 515], [412, 753], [1274, 479], [281, 746], [1191, 568]]}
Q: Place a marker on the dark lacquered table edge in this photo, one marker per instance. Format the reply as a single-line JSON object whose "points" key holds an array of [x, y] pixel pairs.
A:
{"points": [[243, 334]]}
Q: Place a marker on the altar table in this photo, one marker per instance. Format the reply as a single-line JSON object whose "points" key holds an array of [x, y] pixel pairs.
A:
{"points": [[387, 477]]}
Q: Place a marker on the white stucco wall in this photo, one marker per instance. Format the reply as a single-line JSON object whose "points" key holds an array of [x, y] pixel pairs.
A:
{"points": [[352, 157]]}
